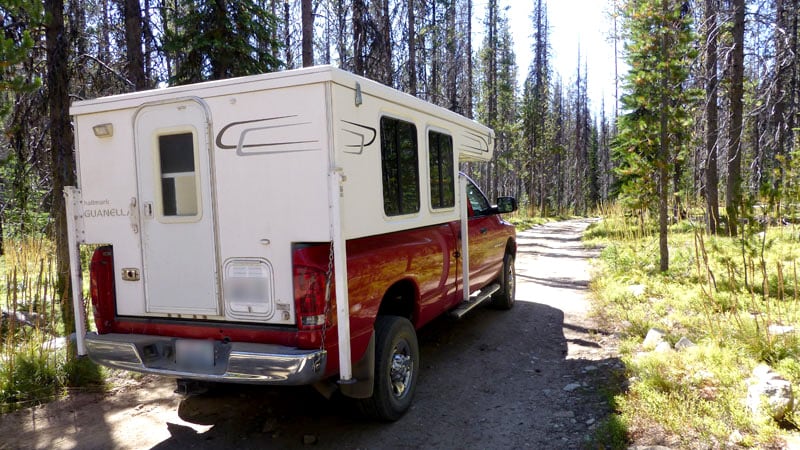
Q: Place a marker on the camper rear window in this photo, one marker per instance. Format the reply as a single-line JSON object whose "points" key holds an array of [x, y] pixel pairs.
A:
{"points": [[178, 181], [440, 158], [400, 167]]}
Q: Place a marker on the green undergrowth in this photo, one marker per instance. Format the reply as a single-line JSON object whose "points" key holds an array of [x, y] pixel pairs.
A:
{"points": [[34, 363], [729, 296]]}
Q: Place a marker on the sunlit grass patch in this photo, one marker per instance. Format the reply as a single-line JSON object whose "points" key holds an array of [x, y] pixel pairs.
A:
{"points": [[697, 395], [736, 298]]}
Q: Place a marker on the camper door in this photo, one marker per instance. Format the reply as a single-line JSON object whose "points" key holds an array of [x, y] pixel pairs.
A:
{"points": [[176, 209]]}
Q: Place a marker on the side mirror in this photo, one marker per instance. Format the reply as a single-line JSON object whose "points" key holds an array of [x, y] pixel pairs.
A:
{"points": [[506, 205]]}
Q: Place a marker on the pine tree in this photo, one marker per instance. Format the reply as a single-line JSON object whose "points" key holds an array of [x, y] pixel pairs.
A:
{"points": [[16, 43], [17, 17], [656, 123], [213, 39]]}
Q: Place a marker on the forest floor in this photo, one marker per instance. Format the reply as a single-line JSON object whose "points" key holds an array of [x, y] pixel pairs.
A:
{"points": [[537, 376]]}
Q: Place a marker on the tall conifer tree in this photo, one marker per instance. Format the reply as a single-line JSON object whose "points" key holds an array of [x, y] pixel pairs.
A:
{"points": [[656, 104]]}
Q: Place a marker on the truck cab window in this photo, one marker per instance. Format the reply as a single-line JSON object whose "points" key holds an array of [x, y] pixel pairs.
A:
{"points": [[400, 167], [177, 170], [480, 206], [440, 156]]}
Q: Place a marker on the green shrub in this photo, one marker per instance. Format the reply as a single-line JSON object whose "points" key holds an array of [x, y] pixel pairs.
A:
{"points": [[27, 378]]}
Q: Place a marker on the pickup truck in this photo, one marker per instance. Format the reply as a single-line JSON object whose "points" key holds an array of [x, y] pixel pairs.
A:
{"points": [[294, 228]]}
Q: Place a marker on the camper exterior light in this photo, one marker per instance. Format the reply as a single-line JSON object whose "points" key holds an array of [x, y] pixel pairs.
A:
{"points": [[103, 130]]}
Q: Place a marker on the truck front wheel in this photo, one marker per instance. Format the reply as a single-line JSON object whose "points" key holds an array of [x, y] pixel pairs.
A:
{"points": [[504, 298], [396, 369]]}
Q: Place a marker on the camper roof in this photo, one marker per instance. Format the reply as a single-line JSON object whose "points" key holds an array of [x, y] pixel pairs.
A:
{"points": [[274, 80]]}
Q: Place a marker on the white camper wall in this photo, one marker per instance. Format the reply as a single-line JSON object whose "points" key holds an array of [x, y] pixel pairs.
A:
{"points": [[363, 204], [107, 179], [272, 191]]}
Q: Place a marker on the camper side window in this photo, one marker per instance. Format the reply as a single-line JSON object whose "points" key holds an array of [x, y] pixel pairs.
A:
{"points": [[178, 181], [440, 158], [400, 167]]}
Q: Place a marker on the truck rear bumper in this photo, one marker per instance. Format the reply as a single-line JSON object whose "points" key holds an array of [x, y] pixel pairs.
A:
{"points": [[239, 362]]}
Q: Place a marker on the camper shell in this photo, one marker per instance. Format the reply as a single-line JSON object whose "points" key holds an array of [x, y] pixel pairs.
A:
{"points": [[224, 211]]}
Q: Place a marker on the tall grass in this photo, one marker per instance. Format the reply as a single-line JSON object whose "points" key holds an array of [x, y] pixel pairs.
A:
{"points": [[34, 364], [737, 298]]}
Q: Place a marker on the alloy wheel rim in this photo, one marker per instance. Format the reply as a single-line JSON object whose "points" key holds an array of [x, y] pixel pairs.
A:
{"points": [[401, 370]]}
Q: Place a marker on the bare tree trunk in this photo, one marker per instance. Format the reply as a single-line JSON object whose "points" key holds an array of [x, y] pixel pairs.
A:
{"points": [[359, 37], [470, 82], [149, 42], [785, 83], [327, 54], [491, 74], [62, 164], [579, 139], [412, 49], [308, 32], [341, 45], [287, 34], [105, 35], [273, 6], [133, 43], [616, 63], [220, 66], [452, 74], [733, 191], [386, 35], [433, 92], [662, 160], [712, 117]]}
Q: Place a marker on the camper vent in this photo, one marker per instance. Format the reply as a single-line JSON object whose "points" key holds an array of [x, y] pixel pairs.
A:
{"points": [[248, 289]]}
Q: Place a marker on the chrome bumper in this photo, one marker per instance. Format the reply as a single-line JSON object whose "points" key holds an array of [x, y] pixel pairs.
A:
{"points": [[239, 362]]}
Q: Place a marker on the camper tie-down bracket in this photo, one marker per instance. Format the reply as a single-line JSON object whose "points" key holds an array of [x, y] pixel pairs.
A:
{"points": [[76, 234]]}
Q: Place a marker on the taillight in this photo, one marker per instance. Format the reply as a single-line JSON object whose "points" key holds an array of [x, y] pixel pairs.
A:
{"points": [[310, 267], [309, 297], [101, 279]]}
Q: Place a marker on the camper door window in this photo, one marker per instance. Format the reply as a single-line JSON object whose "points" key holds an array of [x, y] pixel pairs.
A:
{"points": [[178, 174]]}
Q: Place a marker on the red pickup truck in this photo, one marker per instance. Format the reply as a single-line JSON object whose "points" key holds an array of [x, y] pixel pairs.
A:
{"points": [[289, 229]]}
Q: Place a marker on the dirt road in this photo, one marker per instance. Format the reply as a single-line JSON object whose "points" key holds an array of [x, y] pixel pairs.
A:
{"points": [[529, 377]]}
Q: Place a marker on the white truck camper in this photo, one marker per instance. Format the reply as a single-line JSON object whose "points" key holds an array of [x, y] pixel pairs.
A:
{"points": [[208, 199]]}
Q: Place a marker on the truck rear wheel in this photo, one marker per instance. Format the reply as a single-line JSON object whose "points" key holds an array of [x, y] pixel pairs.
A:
{"points": [[504, 298], [396, 369]]}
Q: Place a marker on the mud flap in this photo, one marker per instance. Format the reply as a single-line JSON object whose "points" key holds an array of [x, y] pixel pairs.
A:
{"points": [[363, 374]]}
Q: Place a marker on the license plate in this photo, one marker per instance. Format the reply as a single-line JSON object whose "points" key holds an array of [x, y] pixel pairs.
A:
{"points": [[194, 354]]}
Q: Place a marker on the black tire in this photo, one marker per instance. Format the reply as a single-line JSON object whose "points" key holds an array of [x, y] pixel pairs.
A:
{"points": [[396, 369], [504, 298]]}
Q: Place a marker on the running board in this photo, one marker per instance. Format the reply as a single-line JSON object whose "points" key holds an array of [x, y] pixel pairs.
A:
{"points": [[475, 299]]}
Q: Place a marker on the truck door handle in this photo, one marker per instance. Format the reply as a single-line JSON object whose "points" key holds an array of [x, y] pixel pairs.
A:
{"points": [[484, 230], [148, 210]]}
